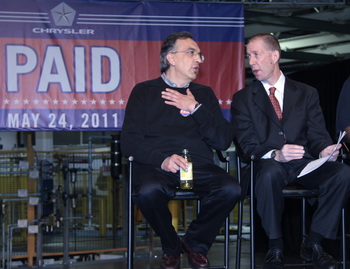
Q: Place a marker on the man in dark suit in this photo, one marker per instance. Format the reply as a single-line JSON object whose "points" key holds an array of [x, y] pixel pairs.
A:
{"points": [[343, 110], [284, 129]]}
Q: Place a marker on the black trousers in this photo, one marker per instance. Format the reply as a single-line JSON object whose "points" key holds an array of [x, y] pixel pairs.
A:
{"points": [[332, 179], [153, 188]]}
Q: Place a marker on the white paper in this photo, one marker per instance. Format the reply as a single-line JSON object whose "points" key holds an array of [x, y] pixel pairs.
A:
{"points": [[311, 166]]}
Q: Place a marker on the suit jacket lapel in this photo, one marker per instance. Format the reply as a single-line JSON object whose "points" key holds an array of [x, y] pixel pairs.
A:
{"points": [[289, 99], [262, 100]]}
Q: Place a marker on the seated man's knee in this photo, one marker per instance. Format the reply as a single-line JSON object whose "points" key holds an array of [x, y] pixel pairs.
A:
{"points": [[344, 176], [270, 180], [271, 174], [148, 192], [231, 190]]}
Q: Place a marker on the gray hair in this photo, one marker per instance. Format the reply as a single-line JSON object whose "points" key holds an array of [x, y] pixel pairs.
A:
{"points": [[168, 45], [270, 41]]}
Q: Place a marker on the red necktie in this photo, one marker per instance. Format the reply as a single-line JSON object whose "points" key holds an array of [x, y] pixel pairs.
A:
{"points": [[275, 103]]}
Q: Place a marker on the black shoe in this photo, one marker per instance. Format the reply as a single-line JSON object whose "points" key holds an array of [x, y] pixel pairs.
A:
{"points": [[315, 253], [196, 260], [274, 259], [170, 262]]}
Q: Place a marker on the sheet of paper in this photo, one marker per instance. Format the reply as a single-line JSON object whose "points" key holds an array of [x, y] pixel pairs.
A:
{"points": [[311, 166]]}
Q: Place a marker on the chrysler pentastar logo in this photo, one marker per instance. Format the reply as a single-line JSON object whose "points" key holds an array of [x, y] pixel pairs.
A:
{"points": [[63, 15]]}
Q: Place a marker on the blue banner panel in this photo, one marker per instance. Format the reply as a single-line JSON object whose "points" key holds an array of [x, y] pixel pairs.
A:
{"points": [[71, 65]]}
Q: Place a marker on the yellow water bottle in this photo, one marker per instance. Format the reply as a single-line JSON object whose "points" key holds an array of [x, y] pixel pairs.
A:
{"points": [[186, 178]]}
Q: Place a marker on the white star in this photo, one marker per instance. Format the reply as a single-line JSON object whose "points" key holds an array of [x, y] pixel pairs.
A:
{"points": [[64, 101], [36, 101], [6, 101], [16, 102], [111, 102], [74, 101], [93, 102], [55, 101], [121, 102], [220, 101], [84, 101], [46, 102], [26, 101], [228, 102], [102, 102]]}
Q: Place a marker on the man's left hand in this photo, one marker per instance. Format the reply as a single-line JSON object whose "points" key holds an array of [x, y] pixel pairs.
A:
{"points": [[328, 150]]}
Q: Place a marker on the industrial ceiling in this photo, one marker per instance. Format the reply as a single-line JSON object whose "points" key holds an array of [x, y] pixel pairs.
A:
{"points": [[311, 33]]}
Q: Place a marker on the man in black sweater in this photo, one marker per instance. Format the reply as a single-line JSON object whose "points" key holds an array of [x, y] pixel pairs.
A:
{"points": [[164, 116]]}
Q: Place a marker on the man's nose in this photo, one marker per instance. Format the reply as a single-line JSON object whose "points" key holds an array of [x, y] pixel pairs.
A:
{"points": [[251, 61], [199, 59]]}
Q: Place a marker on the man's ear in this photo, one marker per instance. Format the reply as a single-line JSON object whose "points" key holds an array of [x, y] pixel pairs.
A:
{"points": [[170, 58], [276, 55]]}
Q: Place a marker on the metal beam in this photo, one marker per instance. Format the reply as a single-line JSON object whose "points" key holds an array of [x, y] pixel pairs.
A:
{"points": [[309, 57], [300, 23], [314, 40], [296, 3]]}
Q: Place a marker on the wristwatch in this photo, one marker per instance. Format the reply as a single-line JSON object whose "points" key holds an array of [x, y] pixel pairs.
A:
{"points": [[195, 108], [273, 154]]}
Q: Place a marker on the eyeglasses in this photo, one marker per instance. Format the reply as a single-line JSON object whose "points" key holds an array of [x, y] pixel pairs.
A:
{"points": [[191, 52]]}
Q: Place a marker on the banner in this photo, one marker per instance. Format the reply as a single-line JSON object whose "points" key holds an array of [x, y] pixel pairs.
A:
{"points": [[71, 65]]}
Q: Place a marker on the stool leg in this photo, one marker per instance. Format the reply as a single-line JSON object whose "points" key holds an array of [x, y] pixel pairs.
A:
{"points": [[252, 218], [252, 235], [303, 218], [227, 241], [174, 209], [130, 251], [239, 235], [343, 239]]}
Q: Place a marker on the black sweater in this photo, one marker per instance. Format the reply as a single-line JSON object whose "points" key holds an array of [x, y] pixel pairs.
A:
{"points": [[153, 130]]}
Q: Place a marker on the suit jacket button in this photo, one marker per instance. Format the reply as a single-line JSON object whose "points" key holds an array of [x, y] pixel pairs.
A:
{"points": [[281, 133]]}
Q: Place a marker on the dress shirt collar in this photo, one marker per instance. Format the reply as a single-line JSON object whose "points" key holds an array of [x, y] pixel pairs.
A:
{"points": [[279, 85], [172, 84]]}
